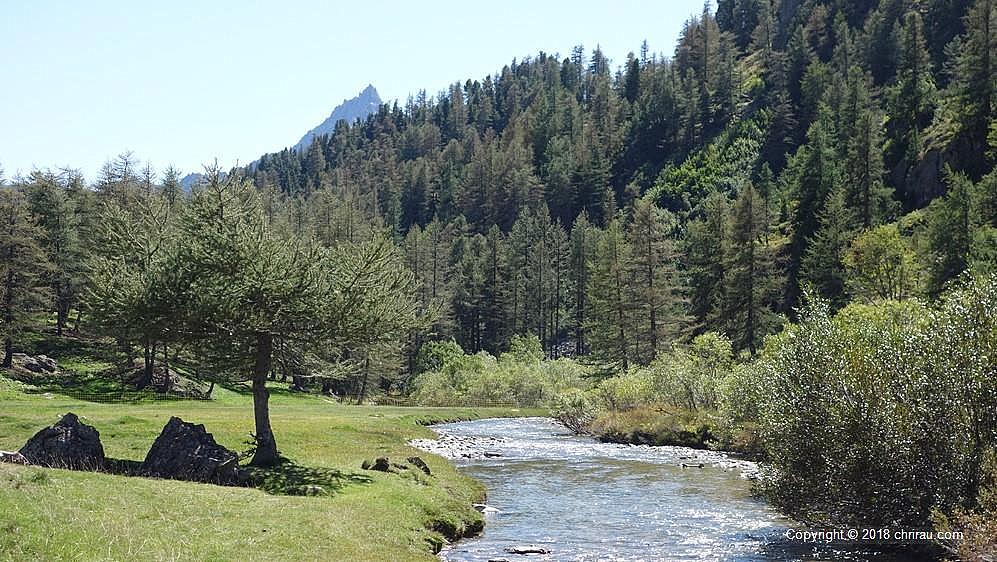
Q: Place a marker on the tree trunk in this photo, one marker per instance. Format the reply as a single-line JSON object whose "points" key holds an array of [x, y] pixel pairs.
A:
{"points": [[266, 445], [8, 353], [61, 315], [148, 365]]}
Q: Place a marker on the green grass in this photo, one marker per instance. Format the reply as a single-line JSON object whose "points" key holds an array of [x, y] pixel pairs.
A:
{"points": [[48, 514]]}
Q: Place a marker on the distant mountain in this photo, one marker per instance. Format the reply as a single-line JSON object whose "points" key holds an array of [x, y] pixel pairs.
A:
{"points": [[364, 104], [190, 180], [350, 110]]}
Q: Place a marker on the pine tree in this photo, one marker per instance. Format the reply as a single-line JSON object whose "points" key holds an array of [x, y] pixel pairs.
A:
{"points": [[57, 215], [974, 80], [911, 99], [823, 264], [815, 173], [23, 269], [706, 249], [657, 299], [752, 281], [609, 325]]}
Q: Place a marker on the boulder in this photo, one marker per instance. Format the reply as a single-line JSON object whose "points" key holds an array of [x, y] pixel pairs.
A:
{"points": [[39, 364], [69, 443], [381, 464], [420, 464], [185, 451], [12, 457]]}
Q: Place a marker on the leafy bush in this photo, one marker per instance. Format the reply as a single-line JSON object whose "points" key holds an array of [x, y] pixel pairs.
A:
{"points": [[884, 413], [575, 409], [519, 377], [690, 377]]}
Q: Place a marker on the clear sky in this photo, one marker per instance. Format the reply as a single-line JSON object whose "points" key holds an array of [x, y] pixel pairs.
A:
{"points": [[183, 82]]}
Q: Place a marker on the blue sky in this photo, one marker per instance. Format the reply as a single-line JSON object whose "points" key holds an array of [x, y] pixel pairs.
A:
{"points": [[183, 82]]}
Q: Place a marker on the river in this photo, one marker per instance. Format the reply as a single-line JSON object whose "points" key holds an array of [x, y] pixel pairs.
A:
{"points": [[583, 500]]}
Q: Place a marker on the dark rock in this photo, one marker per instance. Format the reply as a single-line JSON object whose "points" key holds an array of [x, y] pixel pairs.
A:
{"points": [[381, 464], [527, 550], [420, 464], [39, 364], [185, 451], [12, 457], [69, 443]]}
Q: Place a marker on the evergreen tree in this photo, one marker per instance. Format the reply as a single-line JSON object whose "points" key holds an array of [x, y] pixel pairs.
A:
{"points": [[949, 234], [249, 289], [911, 99], [23, 269], [56, 213], [583, 237], [971, 93], [657, 297], [815, 173], [609, 325], [752, 281], [823, 264], [866, 195], [706, 249]]}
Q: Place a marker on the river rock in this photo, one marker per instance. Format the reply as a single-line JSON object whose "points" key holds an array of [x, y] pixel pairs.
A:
{"points": [[186, 451], [69, 443], [527, 550], [420, 464]]}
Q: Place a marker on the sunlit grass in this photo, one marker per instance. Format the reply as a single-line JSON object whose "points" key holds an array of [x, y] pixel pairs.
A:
{"points": [[50, 514]]}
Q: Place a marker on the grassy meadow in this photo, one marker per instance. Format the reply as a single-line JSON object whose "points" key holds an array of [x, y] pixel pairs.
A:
{"points": [[49, 514]]}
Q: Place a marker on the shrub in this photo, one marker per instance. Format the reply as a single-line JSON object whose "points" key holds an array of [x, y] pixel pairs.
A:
{"points": [[519, 377], [884, 413]]}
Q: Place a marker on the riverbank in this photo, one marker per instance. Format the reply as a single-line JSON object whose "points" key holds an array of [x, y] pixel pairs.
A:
{"points": [[359, 515], [674, 427]]}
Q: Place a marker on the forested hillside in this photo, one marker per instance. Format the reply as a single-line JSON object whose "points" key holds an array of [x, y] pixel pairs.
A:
{"points": [[615, 209], [779, 239]]}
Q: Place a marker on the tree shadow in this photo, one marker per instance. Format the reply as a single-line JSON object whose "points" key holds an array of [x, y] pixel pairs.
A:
{"points": [[292, 479]]}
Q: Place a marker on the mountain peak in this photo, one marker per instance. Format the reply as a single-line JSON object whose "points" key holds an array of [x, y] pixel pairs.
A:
{"points": [[365, 103]]}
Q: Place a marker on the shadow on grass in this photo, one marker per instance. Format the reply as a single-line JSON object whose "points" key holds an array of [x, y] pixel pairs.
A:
{"points": [[292, 479]]}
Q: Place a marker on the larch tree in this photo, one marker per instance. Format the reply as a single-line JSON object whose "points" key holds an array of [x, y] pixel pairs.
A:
{"points": [[583, 237], [57, 215], [823, 264], [609, 324], [251, 287], [752, 279], [658, 302], [23, 269], [705, 248]]}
